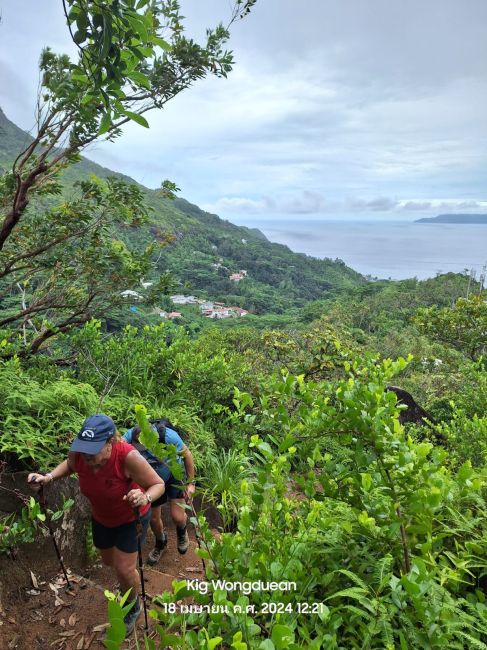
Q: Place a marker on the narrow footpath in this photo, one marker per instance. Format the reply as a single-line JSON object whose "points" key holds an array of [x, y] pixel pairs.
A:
{"points": [[48, 615]]}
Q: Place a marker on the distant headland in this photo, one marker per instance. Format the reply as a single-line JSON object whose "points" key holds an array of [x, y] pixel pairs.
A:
{"points": [[455, 218]]}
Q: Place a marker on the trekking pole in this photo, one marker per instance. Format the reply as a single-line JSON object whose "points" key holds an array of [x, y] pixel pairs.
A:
{"points": [[43, 504], [138, 528]]}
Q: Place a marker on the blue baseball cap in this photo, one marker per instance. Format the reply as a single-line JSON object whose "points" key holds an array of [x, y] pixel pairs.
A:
{"points": [[94, 433]]}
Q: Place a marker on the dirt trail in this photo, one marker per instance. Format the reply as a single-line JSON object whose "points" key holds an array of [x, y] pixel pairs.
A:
{"points": [[47, 615]]}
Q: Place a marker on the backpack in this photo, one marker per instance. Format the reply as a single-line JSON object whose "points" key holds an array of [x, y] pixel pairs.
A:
{"points": [[160, 425], [156, 463]]}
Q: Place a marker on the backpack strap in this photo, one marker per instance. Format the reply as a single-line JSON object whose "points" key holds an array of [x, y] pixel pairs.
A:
{"points": [[160, 427], [151, 458]]}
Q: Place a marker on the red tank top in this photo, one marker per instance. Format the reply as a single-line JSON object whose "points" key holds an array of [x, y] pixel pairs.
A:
{"points": [[106, 488]]}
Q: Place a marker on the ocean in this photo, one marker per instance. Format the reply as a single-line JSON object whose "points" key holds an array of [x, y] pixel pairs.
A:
{"points": [[385, 249]]}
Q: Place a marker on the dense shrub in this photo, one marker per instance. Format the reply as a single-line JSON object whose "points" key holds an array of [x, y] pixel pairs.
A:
{"points": [[40, 420]]}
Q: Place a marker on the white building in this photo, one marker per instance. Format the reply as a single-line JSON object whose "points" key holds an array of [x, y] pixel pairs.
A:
{"points": [[133, 295], [184, 300]]}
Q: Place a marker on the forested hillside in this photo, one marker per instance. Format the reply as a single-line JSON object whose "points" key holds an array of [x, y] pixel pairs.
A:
{"points": [[203, 250]]}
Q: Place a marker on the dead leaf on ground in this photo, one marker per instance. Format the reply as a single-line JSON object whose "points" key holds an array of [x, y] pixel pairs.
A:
{"points": [[101, 628], [59, 601], [33, 592], [35, 584], [81, 643], [74, 578], [89, 641], [14, 641], [37, 615], [68, 633], [72, 619], [194, 569], [12, 620], [62, 622]]}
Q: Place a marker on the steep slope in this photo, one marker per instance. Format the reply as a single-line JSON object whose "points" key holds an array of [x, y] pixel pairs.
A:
{"points": [[206, 250]]}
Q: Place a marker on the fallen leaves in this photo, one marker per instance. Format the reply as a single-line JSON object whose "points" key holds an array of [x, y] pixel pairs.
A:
{"points": [[33, 579], [194, 569], [101, 628], [14, 642]]}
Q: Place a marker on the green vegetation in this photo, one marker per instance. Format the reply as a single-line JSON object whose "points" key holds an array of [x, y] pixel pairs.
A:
{"points": [[382, 528], [379, 527]]}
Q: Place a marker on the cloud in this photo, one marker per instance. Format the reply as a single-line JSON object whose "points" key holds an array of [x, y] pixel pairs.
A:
{"points": [[303, 203], [315, 204], [380, 204], [360, 103], [446, 205]]}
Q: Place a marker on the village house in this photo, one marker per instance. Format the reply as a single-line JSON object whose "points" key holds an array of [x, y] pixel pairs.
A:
{"points": [[133, 295], [239, 311], [236, 277], [174, 314], [221, 312], [184, 300]]}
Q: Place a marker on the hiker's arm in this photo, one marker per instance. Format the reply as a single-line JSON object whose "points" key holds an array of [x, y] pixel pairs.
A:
{"points": [[139, 470], [65, 468], [189, 467]]}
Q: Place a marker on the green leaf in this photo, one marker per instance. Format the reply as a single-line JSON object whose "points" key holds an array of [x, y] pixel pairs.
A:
{"points": [[282, 636], [79, 36], [212, 643], [105, 123], [107, 37], [137, 118], [366, 481], [116, 631], [111, 645], [140, 79], [162, 43]]}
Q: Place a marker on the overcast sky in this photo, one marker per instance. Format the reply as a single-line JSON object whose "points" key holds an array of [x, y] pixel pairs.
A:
{"points": [[334, 108]]}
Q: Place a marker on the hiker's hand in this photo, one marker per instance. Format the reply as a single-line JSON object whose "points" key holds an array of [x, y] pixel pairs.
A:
{"points": [[36, 481], [136, 498], [190, 490]]}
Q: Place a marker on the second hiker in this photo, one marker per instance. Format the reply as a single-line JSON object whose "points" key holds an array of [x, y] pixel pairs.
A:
{"points": [[176, 490]]}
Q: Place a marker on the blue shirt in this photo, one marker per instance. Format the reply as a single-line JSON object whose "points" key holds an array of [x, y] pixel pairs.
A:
{"points": [[160, 464]]}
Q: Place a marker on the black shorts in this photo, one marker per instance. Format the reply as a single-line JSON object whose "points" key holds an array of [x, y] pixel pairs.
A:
{"points": [[174, 490], [123, 537]]}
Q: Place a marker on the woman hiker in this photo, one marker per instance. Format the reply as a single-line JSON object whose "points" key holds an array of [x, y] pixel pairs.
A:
{"points": [[118, 482], [176, 490]]}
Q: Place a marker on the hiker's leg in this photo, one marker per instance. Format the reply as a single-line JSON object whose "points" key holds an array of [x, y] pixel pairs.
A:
{"points": [[106, 555], [178, 513], [160, 534], [125, 565], [156, 523]]}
